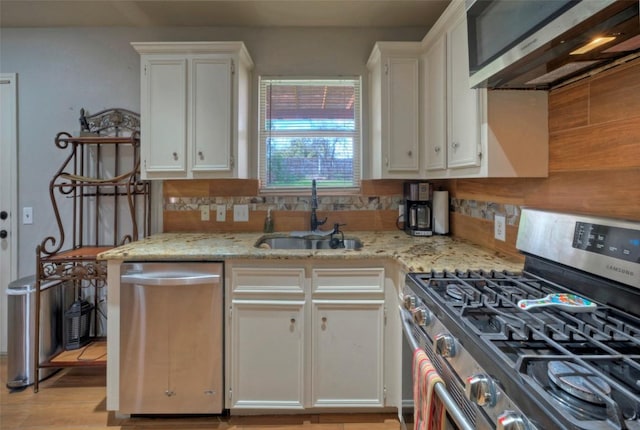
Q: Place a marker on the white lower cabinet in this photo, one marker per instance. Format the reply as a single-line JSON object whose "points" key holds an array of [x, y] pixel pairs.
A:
{"points": [[305, 337], [268, 352], [347, 353]]}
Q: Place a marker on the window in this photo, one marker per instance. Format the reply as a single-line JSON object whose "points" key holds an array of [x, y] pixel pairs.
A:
{"points": [[309, 129]]}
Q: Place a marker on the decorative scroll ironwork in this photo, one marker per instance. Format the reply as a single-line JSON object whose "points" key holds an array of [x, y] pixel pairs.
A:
{"points": [[77, 271], [110, 143], [109, 121], [71, 182]]}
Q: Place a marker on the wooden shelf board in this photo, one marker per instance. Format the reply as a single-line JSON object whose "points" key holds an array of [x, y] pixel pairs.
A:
{"points": [[93, 354], [83, 253]]}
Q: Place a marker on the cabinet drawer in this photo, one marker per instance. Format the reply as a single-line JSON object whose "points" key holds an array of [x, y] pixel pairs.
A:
{"points": [[257, 282], [347, 281]]}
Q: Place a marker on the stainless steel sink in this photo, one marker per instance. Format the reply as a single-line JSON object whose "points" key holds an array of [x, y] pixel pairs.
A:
{"points": [[289, 242]]}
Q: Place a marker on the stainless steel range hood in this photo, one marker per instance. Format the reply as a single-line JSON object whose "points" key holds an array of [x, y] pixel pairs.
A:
{"points": [[533, 44]]}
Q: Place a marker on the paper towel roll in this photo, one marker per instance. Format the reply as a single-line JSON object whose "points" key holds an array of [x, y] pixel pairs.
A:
{"points": [[441, 212]]}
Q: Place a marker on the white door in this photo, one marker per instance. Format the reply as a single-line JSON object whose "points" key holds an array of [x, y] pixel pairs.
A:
{"points": [[403, 75], [463, 108], [211, 82], [435, 117], [347, 353], [267, 354], [163, 118], [8, 195]]}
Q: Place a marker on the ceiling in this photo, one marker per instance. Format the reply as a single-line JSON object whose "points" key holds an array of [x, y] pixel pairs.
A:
{"points": [[236, 13]]}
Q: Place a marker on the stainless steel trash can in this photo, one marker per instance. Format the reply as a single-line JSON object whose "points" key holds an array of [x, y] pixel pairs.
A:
{"points": [[21, 320]]}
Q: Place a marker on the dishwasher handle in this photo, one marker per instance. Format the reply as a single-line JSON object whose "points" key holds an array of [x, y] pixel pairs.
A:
{"points": [[170, 278]]}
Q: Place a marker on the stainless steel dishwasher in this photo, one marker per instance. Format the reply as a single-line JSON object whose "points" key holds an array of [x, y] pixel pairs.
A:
{"points": [[171, 345]]}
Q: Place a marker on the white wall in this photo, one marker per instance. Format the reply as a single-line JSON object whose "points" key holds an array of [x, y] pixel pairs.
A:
{"points": [[62, 70]]}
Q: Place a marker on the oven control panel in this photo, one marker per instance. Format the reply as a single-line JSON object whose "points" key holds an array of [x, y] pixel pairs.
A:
{"points": [[615, 242], [606, 247]]}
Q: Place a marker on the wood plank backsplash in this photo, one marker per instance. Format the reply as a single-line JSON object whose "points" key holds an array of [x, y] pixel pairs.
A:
{"points": [[594, 159], [594, 168]]}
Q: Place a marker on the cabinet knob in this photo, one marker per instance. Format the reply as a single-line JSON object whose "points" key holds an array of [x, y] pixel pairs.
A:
{"points": [[4, 215], [169, 393], [455, 145], [410, 154], [293, 320], [3, 234], [201, 155], [324, 319], [175, 156], [436, 149]]}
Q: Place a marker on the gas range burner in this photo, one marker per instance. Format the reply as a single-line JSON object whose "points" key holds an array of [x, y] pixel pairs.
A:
{"points": [[578, 381], [555, 368]]}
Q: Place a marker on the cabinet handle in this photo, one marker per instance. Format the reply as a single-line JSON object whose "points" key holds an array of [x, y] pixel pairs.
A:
{"points": [[201, 155], [175, 156], [437, 149]]}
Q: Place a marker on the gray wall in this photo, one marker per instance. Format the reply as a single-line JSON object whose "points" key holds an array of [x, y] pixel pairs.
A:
{"points": [[61, 70]]}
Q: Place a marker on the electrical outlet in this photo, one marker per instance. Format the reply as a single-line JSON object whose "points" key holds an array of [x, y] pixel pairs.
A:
{"points": [[27, 215], [400, 213], [240, 213], [204, 212], [500, 227], [221, 213]]}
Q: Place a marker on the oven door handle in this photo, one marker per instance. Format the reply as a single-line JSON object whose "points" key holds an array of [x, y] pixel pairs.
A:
{"points": [[441, 389]]}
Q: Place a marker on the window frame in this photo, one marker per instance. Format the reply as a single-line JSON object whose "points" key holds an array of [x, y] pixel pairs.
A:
{"points": [[263, 134]]}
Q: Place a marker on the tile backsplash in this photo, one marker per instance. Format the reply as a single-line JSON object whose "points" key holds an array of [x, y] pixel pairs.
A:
{"points": [[375, 208]]}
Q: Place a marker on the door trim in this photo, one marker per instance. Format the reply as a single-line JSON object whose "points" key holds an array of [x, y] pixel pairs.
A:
{"points": [[9, 190]]}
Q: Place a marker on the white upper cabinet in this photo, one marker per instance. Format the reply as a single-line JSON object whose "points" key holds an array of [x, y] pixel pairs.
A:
{"points": [[394, 132], [463, 126], [194, 109], [484, 133], [435, 103]]}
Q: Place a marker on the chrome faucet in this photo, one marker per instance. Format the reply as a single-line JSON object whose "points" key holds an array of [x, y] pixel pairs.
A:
{"points": [[315, 223]]}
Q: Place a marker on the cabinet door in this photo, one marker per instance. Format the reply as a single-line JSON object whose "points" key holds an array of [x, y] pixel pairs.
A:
{"points": [[464, 126], [211, 110], [267, 354], [402, 110], [163, 116], [347, 353], [435, 118]]}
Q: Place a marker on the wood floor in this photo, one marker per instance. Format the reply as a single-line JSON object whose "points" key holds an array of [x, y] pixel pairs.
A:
{"points": [[75, 399]]}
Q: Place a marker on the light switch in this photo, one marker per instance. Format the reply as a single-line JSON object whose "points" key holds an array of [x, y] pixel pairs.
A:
{"points": [[240, 213], [27, 215]]}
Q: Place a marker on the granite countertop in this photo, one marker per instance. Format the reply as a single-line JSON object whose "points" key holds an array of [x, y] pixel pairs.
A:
{"points": [[416, 254]]}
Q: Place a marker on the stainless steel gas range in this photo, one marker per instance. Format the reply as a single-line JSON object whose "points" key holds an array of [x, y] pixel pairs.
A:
{"points": [[556, 346]]}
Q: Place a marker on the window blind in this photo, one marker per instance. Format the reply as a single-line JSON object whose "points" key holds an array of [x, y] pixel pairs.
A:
{"points": [[309, 129]]}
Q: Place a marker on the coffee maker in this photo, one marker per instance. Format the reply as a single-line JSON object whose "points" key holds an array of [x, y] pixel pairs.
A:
{"points": [[418, 214]]}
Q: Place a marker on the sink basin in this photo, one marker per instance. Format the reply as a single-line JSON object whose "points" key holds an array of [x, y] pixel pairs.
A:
{"points": [[288, 242]]}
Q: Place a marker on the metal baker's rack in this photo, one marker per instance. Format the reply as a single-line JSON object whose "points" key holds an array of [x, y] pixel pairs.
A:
{"points": [[99, 202]]}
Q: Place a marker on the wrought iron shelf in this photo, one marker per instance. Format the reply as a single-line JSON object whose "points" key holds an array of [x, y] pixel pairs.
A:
{"points": [[106, 205]]}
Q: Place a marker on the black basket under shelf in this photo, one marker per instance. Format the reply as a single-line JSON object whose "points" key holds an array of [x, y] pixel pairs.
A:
{"points": [[77, 325]]}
